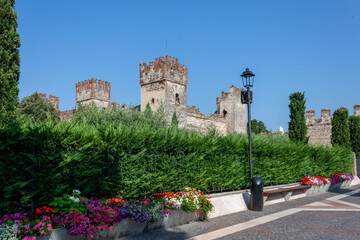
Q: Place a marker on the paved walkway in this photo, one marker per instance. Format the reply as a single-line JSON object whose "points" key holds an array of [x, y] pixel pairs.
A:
{"points": [[333, 215]]}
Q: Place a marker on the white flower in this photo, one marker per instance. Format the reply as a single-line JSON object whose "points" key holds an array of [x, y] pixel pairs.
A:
{"points": [[76, 191], [76, 200]]}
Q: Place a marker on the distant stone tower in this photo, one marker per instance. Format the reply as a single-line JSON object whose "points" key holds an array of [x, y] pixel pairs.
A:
{"points": [[164, 81], [230, 107], [90, 91], [319, 130]]}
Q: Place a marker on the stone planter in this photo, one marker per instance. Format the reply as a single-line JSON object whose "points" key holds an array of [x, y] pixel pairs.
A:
{"points": [[58, 234], [124, 228], [335, 186], [346, 183], [128, 228]]}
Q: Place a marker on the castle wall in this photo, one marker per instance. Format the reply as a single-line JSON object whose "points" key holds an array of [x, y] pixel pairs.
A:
{"points": [[195, 120], [67, 115]]}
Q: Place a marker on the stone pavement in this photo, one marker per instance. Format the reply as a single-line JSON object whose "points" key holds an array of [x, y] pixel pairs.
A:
{"points": [[333, 215]]}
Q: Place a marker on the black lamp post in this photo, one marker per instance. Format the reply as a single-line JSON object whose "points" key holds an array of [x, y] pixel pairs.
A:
{"points": [[256, 200], [246, 98]]}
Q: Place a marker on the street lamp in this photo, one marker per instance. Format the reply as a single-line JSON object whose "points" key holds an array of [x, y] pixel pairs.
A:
{"points": [[246, 98], [257, 183]]}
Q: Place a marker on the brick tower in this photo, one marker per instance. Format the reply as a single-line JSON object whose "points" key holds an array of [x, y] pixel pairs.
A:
{"points": [[93, 90], [164, 81]]}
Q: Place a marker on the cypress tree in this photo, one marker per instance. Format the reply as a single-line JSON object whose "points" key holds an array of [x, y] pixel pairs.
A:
{"points": [[9, 56], [354, 127], [340, 133], [297, 124], [174, 120]]}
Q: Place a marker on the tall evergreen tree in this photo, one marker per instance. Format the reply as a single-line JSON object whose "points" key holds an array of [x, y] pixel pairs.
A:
{"points": [[9, 56], [174, 120], [340, 133], [354, 127], [297, 124]]}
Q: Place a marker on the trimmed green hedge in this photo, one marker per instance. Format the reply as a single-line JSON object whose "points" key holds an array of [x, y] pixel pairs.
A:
{"points": [[46, 159]]}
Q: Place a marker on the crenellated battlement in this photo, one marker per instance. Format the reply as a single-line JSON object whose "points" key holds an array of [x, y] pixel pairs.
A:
{"points": [[52, 99], [324, 120], [163, 68], [93, 90], [67, 115]]}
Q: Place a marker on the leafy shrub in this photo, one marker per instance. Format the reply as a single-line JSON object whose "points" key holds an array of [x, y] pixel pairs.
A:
{"points": [[108, 152]]}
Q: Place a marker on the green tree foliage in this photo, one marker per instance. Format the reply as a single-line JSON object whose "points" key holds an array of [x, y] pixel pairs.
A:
{"points": [[354, 127], [174, 120], [102, 152], [9, 56], [340, 133], [297, 124], [36, 108], [258, 127]]}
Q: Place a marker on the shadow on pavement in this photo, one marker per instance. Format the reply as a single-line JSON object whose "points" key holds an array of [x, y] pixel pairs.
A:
{"points": [[160, 234]]}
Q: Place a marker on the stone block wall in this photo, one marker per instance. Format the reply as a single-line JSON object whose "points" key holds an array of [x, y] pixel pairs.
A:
{"points": [[197, 121]]}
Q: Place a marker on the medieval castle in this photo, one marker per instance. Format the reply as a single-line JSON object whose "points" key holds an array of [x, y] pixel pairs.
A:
{"points": [[164, 81]]}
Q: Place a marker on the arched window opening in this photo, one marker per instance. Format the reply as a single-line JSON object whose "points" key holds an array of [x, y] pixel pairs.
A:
{"points": [[152, 100], [177, 99], [224, 113]]}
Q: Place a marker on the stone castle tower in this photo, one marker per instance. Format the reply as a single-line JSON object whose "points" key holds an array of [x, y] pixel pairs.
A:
{"points": [[93, 90], [164, 81]]}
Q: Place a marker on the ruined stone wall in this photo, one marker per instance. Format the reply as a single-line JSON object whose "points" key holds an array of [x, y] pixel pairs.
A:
{"points": [[52, 99], [93, 90], [195, 120], [229, 106]]}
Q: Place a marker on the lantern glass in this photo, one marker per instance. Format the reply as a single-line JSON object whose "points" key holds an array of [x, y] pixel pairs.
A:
{"points": [[247, 78]]}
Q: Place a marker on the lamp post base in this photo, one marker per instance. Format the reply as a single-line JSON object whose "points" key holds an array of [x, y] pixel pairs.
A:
{"points": [[257, 192]]}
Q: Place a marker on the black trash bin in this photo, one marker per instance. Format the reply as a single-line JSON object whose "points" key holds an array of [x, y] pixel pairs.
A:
{"points": [[257, 198]]}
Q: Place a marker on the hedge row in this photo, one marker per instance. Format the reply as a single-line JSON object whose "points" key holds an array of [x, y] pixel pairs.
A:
{"points": [[46, 159]]}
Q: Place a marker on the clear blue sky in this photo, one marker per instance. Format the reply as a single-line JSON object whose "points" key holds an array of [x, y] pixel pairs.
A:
{"points": [[311, 46]]}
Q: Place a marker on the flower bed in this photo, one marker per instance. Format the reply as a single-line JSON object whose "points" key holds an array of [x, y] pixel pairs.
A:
{"points": [[322, 184], [335, 179], [89, 217]]}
